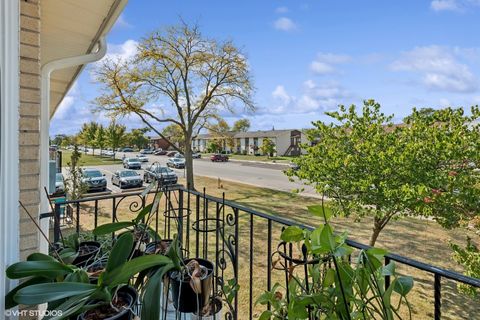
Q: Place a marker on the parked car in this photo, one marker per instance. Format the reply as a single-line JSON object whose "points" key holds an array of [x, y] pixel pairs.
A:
{"points": [[132, 163], [179, 155], [156, 172], [171, 154], [59, 184], [142, 158], [178, 163], [196, 155], [160, 152], [146, 151], [94, 179], [127, 178], [219, 157], [293, 166], [126, 150]]}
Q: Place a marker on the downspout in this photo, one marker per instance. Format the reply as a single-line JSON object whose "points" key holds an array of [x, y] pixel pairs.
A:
{"points": [[46, 72]]}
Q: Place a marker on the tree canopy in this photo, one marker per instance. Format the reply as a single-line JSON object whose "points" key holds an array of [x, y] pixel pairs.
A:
{"points": [[371, 167], [241, 125], [195, 79]]}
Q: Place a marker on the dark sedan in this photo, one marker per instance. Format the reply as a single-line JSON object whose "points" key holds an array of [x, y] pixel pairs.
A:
{"points": [[219, 158], [156, 172], [127, 179]]}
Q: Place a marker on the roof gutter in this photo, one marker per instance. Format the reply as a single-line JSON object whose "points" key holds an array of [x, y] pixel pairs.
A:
{"points": [[46, 72]]}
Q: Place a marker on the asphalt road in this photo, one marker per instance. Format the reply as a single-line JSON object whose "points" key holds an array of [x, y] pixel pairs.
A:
{"points": [[258, 174]]}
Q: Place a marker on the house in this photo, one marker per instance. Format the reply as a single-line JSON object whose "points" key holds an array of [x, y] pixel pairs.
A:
{"points": [[44, 46], [159, 143], [287, 142]]}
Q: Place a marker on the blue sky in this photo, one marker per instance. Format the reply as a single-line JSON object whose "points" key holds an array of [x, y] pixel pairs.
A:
{"points": [[307, 57]]}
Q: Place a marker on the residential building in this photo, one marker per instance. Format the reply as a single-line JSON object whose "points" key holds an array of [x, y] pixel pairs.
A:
{"points": [[287, 142], [44, 46]]}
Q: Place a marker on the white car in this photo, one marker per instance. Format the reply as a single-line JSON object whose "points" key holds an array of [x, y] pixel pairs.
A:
{"points": [[142, 158]]}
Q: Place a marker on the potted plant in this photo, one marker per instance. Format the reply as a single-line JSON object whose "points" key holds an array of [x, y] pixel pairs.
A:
{"points": [[110, 298], [79, 253], [213, 310], [327, 284]]}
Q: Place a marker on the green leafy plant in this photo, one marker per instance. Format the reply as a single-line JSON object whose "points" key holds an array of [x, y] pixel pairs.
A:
{"points": [[469, 258], [328, 285], [75, 294], [424, 167]]}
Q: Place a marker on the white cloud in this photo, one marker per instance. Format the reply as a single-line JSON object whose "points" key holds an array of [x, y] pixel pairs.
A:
{"points": [[453, 5], [325, 62], [314, 98], [284, 24], [441, 68], [444, 5], [122, 51], [281, 10]]}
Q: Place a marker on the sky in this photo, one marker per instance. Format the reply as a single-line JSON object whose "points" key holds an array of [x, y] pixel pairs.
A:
{"points": [[308, 57]]}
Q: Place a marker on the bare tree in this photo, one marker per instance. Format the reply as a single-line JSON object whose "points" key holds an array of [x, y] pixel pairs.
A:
{"points": [[197, 79]]}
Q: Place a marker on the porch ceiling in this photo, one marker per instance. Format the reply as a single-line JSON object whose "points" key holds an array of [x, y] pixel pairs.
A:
{"points": [[71, 28]]}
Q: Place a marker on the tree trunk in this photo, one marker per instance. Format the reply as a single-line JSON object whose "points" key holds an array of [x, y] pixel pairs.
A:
{"points": [[189, 164], [377, 228]]}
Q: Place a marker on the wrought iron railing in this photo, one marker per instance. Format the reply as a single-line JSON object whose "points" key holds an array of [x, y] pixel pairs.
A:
{"points": [[239, 240]]}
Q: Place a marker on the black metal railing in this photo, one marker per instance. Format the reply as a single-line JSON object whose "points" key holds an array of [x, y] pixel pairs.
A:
{"points": [[225, 232]]}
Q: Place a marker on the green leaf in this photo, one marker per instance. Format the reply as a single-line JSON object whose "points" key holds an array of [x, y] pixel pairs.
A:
{"points": [[389, 269], [266, 315], [329, 278], [327, 239], [151, 308], [292, 234], [343, 251], [143, 213], [78, 275], [112, 227], [70, 307], [120, 251], [403, 285], [43, 268], [320, 211], [46, 292], [9, 298], [37, 256], [123, 273]]}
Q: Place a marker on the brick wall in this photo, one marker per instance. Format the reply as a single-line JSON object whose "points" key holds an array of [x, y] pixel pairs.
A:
{"points": [[29, 122]]}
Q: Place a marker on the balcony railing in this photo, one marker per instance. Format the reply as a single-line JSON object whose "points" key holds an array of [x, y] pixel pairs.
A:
{"points": [[241, 242]]}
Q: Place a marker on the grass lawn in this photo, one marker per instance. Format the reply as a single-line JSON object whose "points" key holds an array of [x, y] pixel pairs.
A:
{"points": [[418, 239], [89, 160]]}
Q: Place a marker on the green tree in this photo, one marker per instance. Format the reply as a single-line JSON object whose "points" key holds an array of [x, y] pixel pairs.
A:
{"points": [[87, 135], [115, 135], [242, 125], [195, 77], [426, 167], [137, 138], [174, 134], [267, 147], [100, 138], [221, 134], [74, 186]]}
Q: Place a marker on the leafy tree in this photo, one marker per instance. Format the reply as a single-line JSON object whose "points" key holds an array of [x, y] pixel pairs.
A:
{"points": [[137, 138], [423, 111], [241, 125], [74, 187], [87, 134], [469, 258], [101, 138], [220, 132], [195, 77], [115, 135], [174, 134], [426, 167], [267, 147], [214, 146]]}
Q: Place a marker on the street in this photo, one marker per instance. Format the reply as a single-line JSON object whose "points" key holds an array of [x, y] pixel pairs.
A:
{"points": [[266, 175]]}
